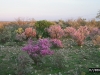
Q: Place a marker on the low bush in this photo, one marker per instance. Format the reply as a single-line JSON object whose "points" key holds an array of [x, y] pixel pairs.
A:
{"points": [[78, 35], [41, 26], [29, 32], [39, 50], [56, 43], [1, 27], [20, 37], [96, 40], [55, 31], [69, 31], [19, 30], [93, 32]]}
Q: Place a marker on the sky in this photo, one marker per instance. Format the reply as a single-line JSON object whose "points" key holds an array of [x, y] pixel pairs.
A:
{"points": [[48, 9]]}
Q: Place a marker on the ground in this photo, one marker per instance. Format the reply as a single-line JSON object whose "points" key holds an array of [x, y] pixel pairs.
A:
{"points": [[70, 60]]}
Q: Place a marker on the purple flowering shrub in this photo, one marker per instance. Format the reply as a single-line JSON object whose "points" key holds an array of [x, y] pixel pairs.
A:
{"points": [[56, 43], [37, 50]]}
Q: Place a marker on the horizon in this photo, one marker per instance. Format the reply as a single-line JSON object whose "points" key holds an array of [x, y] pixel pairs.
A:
{"points": [[48, 10]]}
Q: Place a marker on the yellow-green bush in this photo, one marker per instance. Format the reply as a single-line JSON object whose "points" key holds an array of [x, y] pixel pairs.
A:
{"points": [[19, 30]]}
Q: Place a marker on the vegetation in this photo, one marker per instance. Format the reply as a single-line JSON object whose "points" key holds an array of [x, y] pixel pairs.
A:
{"points": [[63, 48], [41, 27], [98, 15]]}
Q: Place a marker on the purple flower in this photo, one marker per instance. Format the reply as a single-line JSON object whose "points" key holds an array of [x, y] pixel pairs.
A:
{"points": [[41, 48], [46, 52]]}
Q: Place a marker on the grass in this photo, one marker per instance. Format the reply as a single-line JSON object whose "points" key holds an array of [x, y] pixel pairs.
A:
{"points": [[70, 60]]}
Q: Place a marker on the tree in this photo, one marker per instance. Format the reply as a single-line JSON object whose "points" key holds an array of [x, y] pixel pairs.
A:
{"points": [[98, 15]]}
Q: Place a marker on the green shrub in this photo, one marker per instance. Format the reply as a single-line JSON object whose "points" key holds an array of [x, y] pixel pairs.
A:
{"points": [[41, 26], [57, 60], [4, 36], [8, 34]]}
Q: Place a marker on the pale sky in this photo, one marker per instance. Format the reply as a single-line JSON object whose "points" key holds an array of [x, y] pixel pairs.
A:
{"points": [[48, 9]]}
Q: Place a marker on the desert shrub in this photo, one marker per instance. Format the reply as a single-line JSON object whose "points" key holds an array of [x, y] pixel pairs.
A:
{"points": [[68, 31], [38, 50], [92, 23], [29, 32], [95, 36], [1, 27], [62, 23], [5, 36], [40, 27], [10, 29], [20, 37], [19, 30], [56, 43], [93, 32], [20, 22], [80, 35], [96, 40], [22, 67], [13, 26], [55, 31], [58, 60], [20, 34], [76, 23]]}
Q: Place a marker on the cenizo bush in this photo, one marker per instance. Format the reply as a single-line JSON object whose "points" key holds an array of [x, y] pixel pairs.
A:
{"points": [[55, 31], [56, 43], [68, 31], [80, 35], [29, 32], [38, 50], [84, 30]]}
